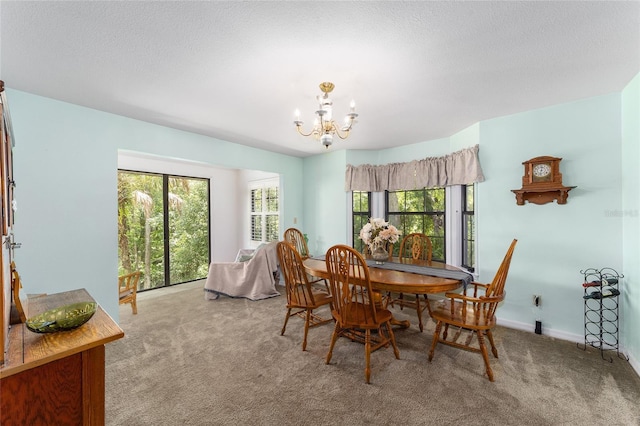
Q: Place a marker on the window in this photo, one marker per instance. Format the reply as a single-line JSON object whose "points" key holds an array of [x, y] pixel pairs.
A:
{"points": [[446, 215], [421, 211], [163, 228], [265, 213], [361, 212], [468, 228]]}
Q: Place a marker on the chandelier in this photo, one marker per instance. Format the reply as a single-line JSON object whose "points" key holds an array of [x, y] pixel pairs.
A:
{"points": [[324, 127]]}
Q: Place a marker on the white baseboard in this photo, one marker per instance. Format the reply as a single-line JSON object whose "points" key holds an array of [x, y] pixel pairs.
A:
{"points": [[634, 363], [576, 338]]}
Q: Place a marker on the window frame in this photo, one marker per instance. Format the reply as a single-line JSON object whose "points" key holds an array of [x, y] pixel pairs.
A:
{"points": [[465, 213], [453, 221], [166, 244], [353, 225], [265, 186]]}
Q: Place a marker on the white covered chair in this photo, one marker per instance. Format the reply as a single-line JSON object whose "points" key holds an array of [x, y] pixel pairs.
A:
{"points": [[253, 278]]}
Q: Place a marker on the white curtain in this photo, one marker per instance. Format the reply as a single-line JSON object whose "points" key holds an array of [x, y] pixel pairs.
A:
{"points": [[459, 168]]}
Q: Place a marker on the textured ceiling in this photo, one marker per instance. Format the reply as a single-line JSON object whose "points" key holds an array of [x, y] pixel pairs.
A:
{"points": [[418, 71]]}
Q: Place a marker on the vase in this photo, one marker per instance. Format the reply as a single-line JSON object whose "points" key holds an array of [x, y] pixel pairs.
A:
{"points": [[379, 254]]}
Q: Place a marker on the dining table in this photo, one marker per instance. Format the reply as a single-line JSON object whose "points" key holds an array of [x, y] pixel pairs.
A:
{"points": [[403, 275]]}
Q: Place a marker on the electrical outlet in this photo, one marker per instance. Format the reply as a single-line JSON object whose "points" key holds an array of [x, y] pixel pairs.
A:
{"points": [[536, 300]]}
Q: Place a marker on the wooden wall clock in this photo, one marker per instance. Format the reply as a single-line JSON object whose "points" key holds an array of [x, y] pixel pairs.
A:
{"points": [[542, 182]]}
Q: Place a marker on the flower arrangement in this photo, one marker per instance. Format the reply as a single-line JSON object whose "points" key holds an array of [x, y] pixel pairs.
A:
{"points": [[378, 231]]}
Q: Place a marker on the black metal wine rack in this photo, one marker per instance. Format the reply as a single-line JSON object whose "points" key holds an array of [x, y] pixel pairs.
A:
{"points": [[601, 312]]}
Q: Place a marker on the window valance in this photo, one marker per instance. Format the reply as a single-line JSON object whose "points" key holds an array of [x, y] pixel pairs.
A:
{"points": [[459, 168]]}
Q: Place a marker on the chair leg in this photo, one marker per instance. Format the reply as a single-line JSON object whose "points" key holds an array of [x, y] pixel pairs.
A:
{"points": [[286, 319], [434, 342], [326, 285], [334, 337], [493, 346], [367, 355], [485, 355], [392, 337], [134, 307], [306, 329], [419, 311], [387, 300], [390, 299], [426, 300]]}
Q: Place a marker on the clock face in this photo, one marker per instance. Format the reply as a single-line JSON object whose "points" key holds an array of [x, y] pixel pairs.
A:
{"points": [[541, 171]]}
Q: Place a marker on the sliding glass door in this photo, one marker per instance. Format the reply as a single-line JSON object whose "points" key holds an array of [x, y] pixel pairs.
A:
{"points": [[163, 228], [188, 227]]}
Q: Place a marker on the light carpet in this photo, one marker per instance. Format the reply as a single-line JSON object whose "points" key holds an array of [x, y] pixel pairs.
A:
{"points": [[187, 361]]}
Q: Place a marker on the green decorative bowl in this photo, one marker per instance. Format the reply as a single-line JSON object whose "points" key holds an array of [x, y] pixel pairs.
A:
{"points": [[63, 318]]}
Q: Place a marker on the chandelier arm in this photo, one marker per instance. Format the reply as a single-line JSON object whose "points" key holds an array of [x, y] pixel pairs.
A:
{"points": [[346, 132], [302, 133]]}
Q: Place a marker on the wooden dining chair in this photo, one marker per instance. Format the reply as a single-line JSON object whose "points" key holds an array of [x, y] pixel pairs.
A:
{"points": [[415, 246], [354, 305], [128, 290], [475, 314], [302, 298], [296, 238]]}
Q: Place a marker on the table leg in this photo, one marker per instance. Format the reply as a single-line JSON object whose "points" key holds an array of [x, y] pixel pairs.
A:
{"points": [[382, 302]]}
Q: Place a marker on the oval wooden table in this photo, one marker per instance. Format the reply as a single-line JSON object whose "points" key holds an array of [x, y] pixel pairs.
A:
{"points": [[388, 280]]}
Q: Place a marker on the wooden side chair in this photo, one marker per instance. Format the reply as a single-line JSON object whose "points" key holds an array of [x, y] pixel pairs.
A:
{"points": [[128, 289], [414, 246], [296, 238], [475, 314], [302, 298], [354, 308]]}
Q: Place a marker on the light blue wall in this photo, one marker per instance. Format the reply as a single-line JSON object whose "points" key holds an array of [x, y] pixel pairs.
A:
{"points": [[555, 241], [466, 138], [417, 151], [65, 169], [69, 224], [325, 201], [631, 220]]}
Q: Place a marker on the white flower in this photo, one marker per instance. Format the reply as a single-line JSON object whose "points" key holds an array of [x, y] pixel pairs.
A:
{"points": [[378, 231]]}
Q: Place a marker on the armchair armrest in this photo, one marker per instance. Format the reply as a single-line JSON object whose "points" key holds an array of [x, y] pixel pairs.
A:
{"points": [[462, 298], [476, 286]]}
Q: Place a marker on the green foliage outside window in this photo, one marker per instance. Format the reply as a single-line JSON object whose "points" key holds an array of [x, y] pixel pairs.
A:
{"points": [[361, 213], [141, 233], [421, 211]]}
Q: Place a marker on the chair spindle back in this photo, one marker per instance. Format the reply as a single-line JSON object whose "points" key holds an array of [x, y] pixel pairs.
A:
{"points": [[296, 238], [350, 286]]}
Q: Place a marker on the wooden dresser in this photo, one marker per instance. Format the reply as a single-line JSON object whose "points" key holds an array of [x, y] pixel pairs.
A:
{"points": [[56, 378]]}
